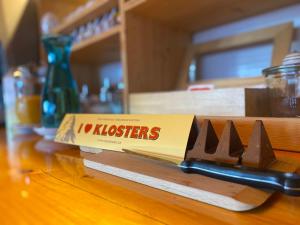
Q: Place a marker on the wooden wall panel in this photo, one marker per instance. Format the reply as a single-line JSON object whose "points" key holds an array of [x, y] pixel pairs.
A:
{"points": [[154, 54], [87, 74]]}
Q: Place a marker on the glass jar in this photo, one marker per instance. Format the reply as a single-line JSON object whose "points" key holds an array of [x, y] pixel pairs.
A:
{"points": [[21, 93], [284, 87], [28, 97]]}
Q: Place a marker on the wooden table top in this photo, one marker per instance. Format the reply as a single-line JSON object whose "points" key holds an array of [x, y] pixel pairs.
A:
{"points": [[46, 183]]}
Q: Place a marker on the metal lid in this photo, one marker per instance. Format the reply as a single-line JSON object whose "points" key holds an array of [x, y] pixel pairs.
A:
{"points": [[290, 64], [292, 58]]}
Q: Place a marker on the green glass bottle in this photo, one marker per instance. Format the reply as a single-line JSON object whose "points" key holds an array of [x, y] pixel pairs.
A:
{"points": [[60, 93]]}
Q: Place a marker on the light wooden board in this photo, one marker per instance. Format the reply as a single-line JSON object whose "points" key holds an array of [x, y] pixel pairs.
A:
{"points": [[219, 102], [200, 103], [168, 177], [259, 81]]}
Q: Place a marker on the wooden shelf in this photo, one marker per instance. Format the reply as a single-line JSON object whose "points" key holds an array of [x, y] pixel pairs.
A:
{"points": [[98, 49], [195, 15], [97, 9], [154, 37]]}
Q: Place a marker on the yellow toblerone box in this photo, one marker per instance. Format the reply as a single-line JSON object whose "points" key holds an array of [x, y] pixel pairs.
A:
{"points": [[158, 134]]}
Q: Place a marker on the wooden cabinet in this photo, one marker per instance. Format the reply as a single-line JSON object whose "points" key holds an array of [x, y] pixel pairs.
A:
{"points": [[153, 37]]}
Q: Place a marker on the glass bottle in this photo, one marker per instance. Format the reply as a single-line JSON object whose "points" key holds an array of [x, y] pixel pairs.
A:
{"points": [[60, 94]]}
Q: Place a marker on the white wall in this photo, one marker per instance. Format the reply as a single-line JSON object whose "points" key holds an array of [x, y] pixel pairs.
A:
{"points": [[251, 60]]}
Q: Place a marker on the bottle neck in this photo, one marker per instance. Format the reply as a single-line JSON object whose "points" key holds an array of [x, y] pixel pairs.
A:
{"points": [[58, 49], [59, 57]]}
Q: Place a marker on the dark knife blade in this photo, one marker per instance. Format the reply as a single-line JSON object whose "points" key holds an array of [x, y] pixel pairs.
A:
{"points": [[288, 183]]}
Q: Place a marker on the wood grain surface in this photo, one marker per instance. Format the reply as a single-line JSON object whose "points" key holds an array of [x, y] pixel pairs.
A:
{"points": [[235, 102], [195, 15], [42, 183], [168, 177]]}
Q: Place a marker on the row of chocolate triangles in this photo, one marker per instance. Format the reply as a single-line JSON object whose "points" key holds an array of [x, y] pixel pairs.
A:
{"points": [[229, 149]]}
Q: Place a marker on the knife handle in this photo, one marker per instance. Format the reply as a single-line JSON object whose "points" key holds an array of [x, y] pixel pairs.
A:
{"points": [[288, 183]]}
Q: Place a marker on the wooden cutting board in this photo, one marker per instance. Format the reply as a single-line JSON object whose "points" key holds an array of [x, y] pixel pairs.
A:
{"points": [[168, 177]]}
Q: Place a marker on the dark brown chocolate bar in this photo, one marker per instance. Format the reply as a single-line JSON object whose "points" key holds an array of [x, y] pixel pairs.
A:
{"points": [[229, 149]]}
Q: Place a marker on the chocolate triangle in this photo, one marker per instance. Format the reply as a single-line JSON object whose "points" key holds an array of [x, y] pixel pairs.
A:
{"points": [[230, 147], [206, 143], [259, 153]]}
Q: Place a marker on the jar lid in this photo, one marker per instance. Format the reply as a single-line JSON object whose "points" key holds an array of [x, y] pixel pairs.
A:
{"points": [[292, 58], [290, 63]]}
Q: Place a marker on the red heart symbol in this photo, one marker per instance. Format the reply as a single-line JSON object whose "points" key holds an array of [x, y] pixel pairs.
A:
{"points": [[88, 127]]}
